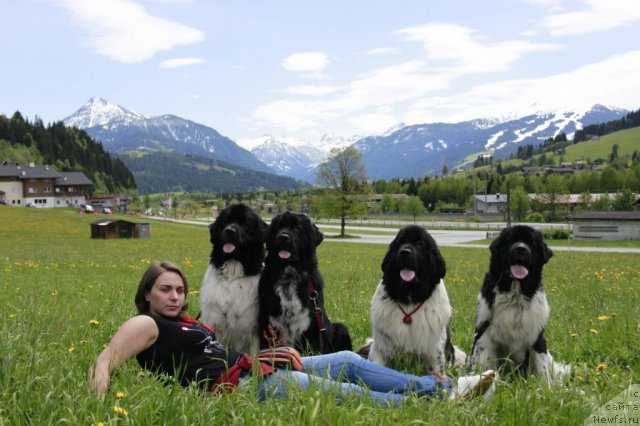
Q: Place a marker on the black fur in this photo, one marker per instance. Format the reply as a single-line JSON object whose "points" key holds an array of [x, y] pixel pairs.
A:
{"points": [[229, 291], [241, 226], [295, 234], [413, 272], [513, 309], [521, 245], [415, 249]]}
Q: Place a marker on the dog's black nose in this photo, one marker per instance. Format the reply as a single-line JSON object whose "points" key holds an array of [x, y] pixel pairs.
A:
{"points": [[405, 252], [520, 248], [230, 231], [284, 237]]}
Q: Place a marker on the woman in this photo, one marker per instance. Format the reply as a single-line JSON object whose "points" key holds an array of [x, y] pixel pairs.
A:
{"points": [[164, 340]]}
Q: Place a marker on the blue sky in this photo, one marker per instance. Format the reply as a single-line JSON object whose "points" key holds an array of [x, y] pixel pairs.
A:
{"points": [[302, 68]]}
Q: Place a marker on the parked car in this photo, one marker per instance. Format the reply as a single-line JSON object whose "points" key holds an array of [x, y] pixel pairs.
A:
{"points": [[106, 210], [86, 208], [30, 205]]}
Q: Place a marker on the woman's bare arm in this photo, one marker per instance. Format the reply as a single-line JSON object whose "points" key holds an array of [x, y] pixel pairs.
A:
{"points": [[133, 337]]}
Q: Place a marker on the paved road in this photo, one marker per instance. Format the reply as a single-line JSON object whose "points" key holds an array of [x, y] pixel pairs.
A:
{"points": [[456, 238], [452, 238]]}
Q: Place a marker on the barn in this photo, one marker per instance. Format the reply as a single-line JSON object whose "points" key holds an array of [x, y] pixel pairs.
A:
{"points": [[118, 228], [606, 225]]}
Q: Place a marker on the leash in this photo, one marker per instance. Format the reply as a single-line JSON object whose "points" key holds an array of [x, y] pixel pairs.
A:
{"points": [[317, 313], [407, 316]]}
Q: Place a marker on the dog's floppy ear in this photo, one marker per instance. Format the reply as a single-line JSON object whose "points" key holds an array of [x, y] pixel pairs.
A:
{"points": [[263, 229], [441, 265], [544, 248], [213, 229], [318, 236], [546, 253], [393, 246]]}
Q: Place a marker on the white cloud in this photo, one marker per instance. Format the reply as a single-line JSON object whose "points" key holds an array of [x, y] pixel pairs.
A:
{"points": [[546, 4], [293, 115], [125, 32], [383, 51], [312, 90], [597, 16], [607, 81], [313, 62], [462, 50], [374, 123], [181, 62]]}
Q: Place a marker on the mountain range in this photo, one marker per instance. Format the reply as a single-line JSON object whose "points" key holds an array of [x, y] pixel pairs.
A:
{"points": [[402, 152], [121, 130], [423, 149]]}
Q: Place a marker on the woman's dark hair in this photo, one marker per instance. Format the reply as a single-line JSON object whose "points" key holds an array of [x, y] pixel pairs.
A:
{"points": [[149, 278]]}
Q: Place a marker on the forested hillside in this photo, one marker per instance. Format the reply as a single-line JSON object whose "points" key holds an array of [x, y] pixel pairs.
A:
{"points": [[65, 148], [168, 172]]}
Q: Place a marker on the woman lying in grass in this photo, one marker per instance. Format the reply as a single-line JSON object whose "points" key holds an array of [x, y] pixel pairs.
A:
{"points": [[165, 341]]}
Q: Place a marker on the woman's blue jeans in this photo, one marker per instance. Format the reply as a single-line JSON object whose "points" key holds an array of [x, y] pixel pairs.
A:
{"points": [[347, 373]]}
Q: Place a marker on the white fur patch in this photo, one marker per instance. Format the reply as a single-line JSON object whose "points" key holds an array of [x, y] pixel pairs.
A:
{"points": [[229, 302], [517, 321], [425, 336], [515, 324], [294, 319]]}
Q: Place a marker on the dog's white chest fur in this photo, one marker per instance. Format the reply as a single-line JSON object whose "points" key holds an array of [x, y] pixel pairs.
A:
{"points": [[516, 322], [229, 302], [425, 336], [294, 319]]}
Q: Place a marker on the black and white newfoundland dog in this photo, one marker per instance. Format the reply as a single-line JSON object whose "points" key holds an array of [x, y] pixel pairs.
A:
{"points": [[512, 310], [410, 309], [229, 292], [291, 290]]}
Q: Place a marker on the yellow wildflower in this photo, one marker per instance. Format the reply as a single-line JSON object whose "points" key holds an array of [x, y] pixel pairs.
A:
{"points": [[94, 322], [194, 293], [120, 394], [579, 378], [593, 331], [71, 349], [600, 367], [119, 410], [574, 335], [603, 318]]}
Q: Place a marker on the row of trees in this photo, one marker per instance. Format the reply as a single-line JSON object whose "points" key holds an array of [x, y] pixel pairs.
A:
{"points": [[65, 148], [345, 190]]}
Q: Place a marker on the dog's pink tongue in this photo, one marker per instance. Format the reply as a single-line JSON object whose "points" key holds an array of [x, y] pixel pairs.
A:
{"points": [[228, 248], [519, 271], [284, 254], [407, 275]]}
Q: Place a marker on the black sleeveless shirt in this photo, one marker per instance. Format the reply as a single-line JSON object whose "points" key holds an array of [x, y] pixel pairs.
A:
{"points": [[187, 350]]}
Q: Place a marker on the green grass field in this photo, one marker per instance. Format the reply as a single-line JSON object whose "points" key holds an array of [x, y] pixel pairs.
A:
{"points": [[65, 295], [628, 141]]}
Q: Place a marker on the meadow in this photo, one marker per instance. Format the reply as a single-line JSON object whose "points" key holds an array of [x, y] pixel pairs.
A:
{"points": [[65, 294]]}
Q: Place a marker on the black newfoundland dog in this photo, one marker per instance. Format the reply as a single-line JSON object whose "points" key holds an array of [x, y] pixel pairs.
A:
{"points": [[291, 290], [229, 292], [512, 307], [410, 309]]}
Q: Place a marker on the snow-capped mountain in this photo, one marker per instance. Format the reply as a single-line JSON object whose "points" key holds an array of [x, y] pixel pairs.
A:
{"points": [[100, 112], [121, 130], [289, 160], [294, 157], [422, 149]]}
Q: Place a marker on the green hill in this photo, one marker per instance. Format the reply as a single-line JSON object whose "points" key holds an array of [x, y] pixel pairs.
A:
{"points": [[170, 172], [628, 141]]}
